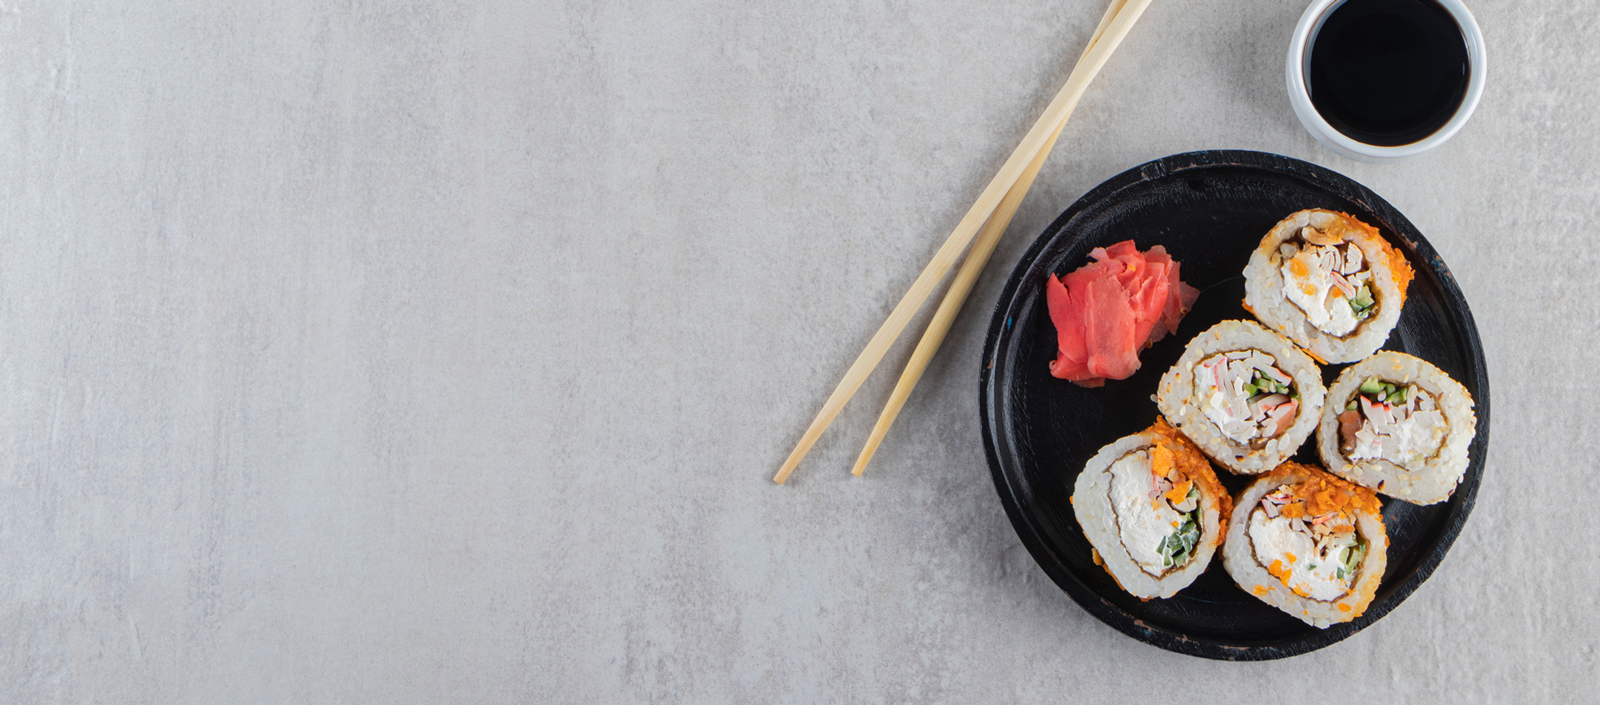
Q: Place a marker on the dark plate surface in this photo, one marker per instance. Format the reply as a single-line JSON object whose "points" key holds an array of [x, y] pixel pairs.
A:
{"points": [[1210, 210]]}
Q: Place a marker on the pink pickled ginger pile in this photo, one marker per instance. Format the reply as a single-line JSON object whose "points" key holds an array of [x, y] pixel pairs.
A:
{"points": [[1110, 309]]}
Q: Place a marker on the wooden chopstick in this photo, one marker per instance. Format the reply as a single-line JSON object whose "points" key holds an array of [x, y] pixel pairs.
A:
{"points": [[1042, 131], [982, 248]]}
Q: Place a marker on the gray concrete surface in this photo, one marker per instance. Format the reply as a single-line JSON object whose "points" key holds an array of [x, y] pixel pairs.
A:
{"points": [[442, 351]]}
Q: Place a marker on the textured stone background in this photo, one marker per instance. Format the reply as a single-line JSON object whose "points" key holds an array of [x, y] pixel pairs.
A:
{"points": [[442, 351]]}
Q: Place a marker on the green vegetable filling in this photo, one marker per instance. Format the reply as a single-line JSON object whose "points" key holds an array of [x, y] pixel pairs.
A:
{"points": [[1177, 548], [1363, 304], [1263, 384], [1381, 392], [1350, 557]]}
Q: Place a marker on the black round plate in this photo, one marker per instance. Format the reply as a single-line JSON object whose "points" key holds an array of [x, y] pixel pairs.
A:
{"points": [[1210, 210]]}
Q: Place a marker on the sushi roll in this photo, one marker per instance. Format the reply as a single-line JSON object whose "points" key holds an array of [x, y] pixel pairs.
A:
{"points": [[1153, 510], [1245, 395], [1307, 543], [1398, 425], [1328, 282]]}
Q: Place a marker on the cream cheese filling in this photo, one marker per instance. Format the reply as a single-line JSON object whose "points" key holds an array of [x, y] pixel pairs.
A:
{"points": [[1322, 280], [1312, 561], [1404, 434], [1143, 521]]}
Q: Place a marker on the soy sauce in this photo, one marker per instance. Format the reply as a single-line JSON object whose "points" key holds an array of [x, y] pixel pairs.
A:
{"points": [[1388, 72]]}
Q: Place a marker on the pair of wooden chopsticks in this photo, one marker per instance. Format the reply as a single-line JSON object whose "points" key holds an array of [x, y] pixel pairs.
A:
{"points": [[996, 206]]}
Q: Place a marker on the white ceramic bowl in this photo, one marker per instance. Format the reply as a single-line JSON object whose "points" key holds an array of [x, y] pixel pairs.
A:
{"points": [[1298, 67]]}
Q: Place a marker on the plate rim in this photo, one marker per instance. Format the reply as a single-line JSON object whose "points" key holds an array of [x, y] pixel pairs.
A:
{"points": [[1061, 574]]}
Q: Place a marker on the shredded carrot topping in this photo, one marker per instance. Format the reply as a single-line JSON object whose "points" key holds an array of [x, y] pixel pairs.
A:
{"points": [[1322, 493], [1162, 460], [1172, 454], [1179, 491], [1278, 571]]}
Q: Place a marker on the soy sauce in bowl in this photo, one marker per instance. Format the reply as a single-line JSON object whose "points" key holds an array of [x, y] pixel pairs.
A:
{"points": [[1388, 72]]}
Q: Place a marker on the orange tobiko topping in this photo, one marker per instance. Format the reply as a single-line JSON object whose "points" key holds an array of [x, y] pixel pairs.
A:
{"points": [[1348, 227]]}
